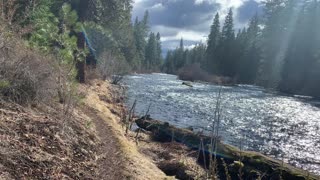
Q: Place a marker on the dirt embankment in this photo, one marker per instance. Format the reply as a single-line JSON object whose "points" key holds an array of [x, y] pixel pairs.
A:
{"points": [[42, 143], [36, 145], [106, 103]]}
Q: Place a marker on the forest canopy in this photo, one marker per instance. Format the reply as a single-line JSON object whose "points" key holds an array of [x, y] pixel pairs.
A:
{"points": [[278, 49]]}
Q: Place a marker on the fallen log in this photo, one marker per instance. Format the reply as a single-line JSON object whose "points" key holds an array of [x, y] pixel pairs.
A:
{"points": [[254, 164], [187, 84]]}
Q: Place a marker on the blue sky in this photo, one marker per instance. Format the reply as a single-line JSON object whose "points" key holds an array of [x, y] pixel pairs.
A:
{"points": [[191, 19]]}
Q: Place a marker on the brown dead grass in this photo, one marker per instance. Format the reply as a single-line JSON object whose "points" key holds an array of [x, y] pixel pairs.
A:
{"points": [[88, 144], [41, 146], [101, 96], [175, 159]]}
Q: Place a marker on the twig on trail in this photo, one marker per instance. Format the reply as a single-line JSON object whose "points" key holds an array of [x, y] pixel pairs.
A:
{"points": [[202, 148], [282, 166], [145, 117], [228, 177], [172, 135], [130, 117], [240, 175], [137, 136], [147, 112], [215, 127]]}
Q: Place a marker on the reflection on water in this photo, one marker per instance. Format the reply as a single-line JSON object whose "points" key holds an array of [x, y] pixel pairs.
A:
{"points": [[275, 125]]}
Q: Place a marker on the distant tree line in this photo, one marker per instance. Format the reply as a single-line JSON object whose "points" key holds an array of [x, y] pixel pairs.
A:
{"points": [[148, 46], [278, 50]]}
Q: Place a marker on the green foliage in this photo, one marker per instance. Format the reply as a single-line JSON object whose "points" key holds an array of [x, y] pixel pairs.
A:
{"points": [[148, 54], [248, 52], [151, 51], [181, 57], [300, 70], [45, 28], [4, 84], [226, 56], [275, 29], [213, 42], [168, 65], [53, 34], [153, 59], [141, 31], [283, 54]]}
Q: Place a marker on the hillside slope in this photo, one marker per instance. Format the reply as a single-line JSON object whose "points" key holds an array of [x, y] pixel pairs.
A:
{"points": [[40, 143]]}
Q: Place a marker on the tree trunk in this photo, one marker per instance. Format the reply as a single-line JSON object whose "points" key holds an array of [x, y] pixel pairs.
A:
{"points": [[81, 65]]}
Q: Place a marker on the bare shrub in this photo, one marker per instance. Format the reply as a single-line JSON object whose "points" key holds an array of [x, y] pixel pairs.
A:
{"points": [[112, 66], [195, 73], [25, 77]]}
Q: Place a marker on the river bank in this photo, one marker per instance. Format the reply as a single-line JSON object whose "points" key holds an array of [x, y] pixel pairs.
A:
{"points": [[278, 126], [39, 142], [231, 161], [107, 101], [90, 144]]}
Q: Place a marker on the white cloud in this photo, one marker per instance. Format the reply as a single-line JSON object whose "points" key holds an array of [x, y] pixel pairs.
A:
{"points": [[157, 7], [227, 4], [190, 46], [198, 2], [186, 35], [196, 32], [137, 1], [172, 34]]}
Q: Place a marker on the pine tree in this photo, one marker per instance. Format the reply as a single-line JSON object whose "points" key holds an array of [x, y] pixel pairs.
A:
{"points": [[159, 52], [199, 54], [251, 52], [55, 34], [179, 62], [274, 30], [213, 40], [141, 31], [168, 66], [151, 53], [301, 65], [227, 59]]}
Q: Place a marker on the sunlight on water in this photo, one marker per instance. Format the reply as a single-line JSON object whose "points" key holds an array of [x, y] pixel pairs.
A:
{"points": [[276, 125]]}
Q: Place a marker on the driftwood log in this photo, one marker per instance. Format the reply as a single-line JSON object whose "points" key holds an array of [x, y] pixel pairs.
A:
{"points": [[187, 84], [254, 164]]}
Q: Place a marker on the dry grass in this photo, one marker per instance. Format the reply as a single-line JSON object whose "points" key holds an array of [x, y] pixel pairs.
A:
{"points": [[175, 159], [90, 144], [101, 97], [35, 145], [25, 76], [47, 140]]}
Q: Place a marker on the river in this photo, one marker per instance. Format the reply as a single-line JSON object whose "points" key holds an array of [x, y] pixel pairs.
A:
{"points": [[276, 125]]}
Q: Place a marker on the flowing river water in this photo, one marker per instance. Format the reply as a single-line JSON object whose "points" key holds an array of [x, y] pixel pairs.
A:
{"points": [[279, 126]]}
